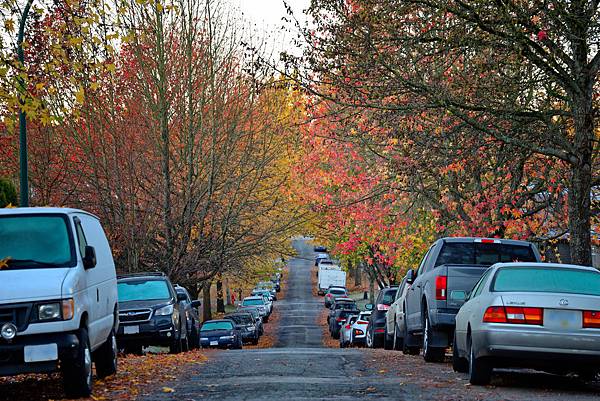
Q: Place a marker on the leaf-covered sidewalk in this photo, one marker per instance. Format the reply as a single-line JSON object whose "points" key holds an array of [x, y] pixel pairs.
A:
{"points": [[136, 376]]}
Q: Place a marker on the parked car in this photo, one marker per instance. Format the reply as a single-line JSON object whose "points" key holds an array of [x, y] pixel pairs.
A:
{"points": [[446, 274], [263, 292], [338, 318], [254, 311], [320, 248], [346, 330], [320, 257], [192, 315], [267, 285], [531, 315], [341, 303], [334, 292], [394, 322], [220, 334], [359, 329], [376, 326], [58, 300], [247, 326], [260, 303], [151, 313]]}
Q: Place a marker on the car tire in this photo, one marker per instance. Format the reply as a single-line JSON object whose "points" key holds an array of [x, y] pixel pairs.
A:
{"points": [[430, 353], [335, 335], [406, 349], [388, 343], [254, 341], [77, 372], [105, 357], [459, 364], [397, 346], [176, 346], [480, 370]]}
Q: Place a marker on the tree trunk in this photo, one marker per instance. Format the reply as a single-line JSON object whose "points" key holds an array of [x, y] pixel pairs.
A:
{"points": [[358, 275], [206, 305], [371, 289], [581, 184], [227, 293], [220, 302]]}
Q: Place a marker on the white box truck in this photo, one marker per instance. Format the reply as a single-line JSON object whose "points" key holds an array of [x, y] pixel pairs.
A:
{"points": [[329, 277]]}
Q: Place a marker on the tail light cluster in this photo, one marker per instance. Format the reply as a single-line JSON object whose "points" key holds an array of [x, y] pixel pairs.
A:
{"points": [[516, 315], [383, 307], [379, 331], [591, 319], [441, 288], [358, 332], [339, 319]]}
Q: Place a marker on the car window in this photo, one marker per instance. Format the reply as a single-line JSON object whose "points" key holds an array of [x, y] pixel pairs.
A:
{"points": [[143, 290], [388, 297], [548, 280], [422, 265], [81, 241], [250, 302], [480, 284], [217, 326], [475, 253]]}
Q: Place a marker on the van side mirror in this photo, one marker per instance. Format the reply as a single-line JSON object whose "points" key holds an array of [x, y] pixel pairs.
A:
{"points": [[410, 276], [369, 306], [181, 296], [89, 259], [196, 304]]}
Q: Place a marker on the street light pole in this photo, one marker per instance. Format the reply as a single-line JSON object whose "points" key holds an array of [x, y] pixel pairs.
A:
{"points": [[24, 180]]}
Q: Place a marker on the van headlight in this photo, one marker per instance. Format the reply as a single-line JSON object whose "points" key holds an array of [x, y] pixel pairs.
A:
{"points": [[164, 311], [49, 311]]}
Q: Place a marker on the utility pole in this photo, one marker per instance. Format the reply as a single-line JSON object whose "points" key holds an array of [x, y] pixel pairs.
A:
{"points": [[24, 179]]}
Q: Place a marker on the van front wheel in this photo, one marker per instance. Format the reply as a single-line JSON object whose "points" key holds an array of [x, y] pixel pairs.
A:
{"points": [[105, 357], [77, 372]]}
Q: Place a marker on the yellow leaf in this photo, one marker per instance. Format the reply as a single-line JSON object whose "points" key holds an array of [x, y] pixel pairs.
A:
{"points": [[168, 390], [80, 95], [9, 25]]}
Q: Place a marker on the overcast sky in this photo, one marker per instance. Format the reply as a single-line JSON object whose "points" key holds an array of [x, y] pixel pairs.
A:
{"points": [[265, 15]]}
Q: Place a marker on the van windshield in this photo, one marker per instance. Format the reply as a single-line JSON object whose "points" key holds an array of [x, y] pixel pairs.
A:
{"points": [[35, 241]]}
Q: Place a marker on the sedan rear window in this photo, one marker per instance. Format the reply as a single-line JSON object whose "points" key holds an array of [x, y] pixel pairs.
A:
{"points": [[474, 253], [549, 280], [250, 302], [337, 292], [208, 326]]}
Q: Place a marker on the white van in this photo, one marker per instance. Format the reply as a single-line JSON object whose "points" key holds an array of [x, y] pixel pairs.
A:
{"points": [[58, 296]]}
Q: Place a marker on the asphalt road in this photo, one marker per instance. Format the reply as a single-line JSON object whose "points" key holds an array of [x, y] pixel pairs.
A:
{"points": [[298, 367]]}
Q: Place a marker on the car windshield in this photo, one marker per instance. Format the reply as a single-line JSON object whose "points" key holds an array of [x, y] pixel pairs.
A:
{"points": [[143, 290], [337, 292], [209, 326], [546, 279], [388, 297], [32, 241], [250, 302], [475, 253], [240, 319]]}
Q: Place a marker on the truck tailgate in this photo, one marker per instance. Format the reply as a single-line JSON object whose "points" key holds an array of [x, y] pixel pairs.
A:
{"points": [[461, 280]]}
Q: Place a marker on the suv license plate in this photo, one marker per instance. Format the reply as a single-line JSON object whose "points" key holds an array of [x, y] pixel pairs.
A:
{"points": [[40, 353], [131, 329], [214, 343]]}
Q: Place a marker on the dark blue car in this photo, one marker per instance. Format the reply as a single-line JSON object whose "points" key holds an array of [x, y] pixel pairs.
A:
{"points": [[220, 334]]}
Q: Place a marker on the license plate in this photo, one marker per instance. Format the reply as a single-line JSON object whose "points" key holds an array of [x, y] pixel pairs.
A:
{"points": [[131, 329], [40, 353], [214, 343], [562, 319]]}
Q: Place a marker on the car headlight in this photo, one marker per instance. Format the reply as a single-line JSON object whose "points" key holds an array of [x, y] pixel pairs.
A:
{"points": [[226, 337], [49, 311], [164, 311]]}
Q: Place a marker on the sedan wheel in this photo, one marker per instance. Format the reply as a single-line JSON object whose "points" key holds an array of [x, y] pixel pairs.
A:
{"points": [[459, 364], [480, 371], [369, 339]]}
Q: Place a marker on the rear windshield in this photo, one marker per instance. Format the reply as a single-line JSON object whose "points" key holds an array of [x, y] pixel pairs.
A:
{"points": [[388, 297], [551, 280], [474, 253], [249, 302], [31, 241], [337, 292], [143, 290], [208, 326]]}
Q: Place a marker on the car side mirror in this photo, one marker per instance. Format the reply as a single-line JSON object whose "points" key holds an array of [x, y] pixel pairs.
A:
{"points": [[89, 259], [410, 276], [196, 304], [181, 297], [369, 306]]}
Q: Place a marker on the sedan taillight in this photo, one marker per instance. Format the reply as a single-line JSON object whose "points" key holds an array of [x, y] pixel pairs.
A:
{"points": [[358, 332], [591, 319], [514, 315]]}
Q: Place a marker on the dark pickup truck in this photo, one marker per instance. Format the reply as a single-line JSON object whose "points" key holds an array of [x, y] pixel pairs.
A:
{"points": [[446, 275]]}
